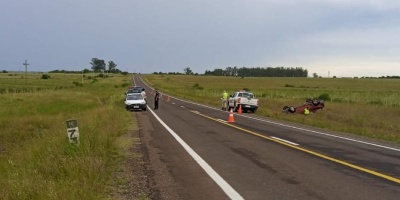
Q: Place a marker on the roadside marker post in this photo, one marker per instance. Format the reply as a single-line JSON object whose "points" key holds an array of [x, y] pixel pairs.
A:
{"points": [[73, 131]]}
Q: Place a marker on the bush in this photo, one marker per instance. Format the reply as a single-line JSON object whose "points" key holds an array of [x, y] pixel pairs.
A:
{"points": [[288, 85], [197, 86], [45, 76], [125, 84], [77, 83], [325, 97]]}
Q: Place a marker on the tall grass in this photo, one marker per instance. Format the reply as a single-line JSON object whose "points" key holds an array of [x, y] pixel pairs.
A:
{"points": [[36, 159], [365, 107]]}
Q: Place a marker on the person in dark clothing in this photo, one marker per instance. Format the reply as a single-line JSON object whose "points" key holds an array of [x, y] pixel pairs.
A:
{"points": [[156, 98]]}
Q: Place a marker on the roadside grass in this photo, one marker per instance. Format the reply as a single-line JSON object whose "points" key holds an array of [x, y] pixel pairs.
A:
{"points": [[36, 159], [364, 107]]}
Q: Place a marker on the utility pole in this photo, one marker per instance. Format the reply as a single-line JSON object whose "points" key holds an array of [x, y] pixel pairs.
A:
{"points": [[26, 72]]}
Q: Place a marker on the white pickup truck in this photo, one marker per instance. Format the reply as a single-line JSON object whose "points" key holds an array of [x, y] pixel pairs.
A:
{"points": [[244, 98]]}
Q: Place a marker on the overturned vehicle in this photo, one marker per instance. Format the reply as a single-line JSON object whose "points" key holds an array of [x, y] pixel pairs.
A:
{"points": [[311, 104]]}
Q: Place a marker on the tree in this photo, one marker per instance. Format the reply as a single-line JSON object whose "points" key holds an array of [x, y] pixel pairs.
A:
{"points": [[112, 67], [85, 71], [315, 75], [98, 65], [188, 71]]}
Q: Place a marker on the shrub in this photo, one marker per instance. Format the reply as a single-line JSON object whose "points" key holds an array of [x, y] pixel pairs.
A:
{"points": [[77, 83], [45, 76], [197, 86], [376, 102], [325, 97], [125, 85]]}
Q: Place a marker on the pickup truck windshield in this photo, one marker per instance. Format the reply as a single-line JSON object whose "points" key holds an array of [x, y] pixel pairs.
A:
{"points": [[246, 95]]}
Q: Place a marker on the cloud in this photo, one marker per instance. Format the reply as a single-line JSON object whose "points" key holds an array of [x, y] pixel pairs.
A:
{"points": [[168, 36]]}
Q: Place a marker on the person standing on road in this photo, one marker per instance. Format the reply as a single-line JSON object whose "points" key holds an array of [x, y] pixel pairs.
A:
{"points": [[144, 95], [224, 100], [156, 98]]}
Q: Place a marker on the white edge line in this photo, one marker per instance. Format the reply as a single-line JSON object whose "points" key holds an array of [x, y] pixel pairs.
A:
{"points": [[285, 141], [302, 129], [203, 164]]}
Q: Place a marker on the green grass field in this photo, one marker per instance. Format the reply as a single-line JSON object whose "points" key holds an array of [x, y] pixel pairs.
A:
{"points": [[36, 159], [365, 107]]}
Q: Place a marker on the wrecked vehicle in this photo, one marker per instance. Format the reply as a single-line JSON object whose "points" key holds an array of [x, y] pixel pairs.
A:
{"points": [[311, 104]]}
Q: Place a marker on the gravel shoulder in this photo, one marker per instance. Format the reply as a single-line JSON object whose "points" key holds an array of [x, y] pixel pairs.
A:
{"points": [[140, 173]]}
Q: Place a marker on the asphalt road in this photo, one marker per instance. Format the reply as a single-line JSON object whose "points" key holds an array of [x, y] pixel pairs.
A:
{"points": [[204, 157]]}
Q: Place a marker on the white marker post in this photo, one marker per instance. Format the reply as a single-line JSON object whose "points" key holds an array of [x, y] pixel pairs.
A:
{"points": [[73, 131]]}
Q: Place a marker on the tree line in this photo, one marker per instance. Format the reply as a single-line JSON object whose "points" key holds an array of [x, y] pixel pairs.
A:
{"points": [[260, 72]]}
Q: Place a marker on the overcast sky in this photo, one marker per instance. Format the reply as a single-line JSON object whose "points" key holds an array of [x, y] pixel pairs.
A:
{"points": [[327, 37]]}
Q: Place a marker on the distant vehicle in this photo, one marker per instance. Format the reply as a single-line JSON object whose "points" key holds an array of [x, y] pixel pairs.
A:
{"points": [[312, 104], [134, 89], [243, 98], [137, 87], [135, 101]]}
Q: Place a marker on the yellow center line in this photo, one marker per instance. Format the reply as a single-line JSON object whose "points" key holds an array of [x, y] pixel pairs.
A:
{"points": [[396, 180]]}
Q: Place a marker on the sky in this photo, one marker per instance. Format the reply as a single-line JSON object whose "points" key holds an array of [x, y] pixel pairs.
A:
{"points": [[340, 38]]}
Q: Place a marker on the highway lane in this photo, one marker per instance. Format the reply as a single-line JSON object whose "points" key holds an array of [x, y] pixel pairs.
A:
{"points": [[257, 166]]}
